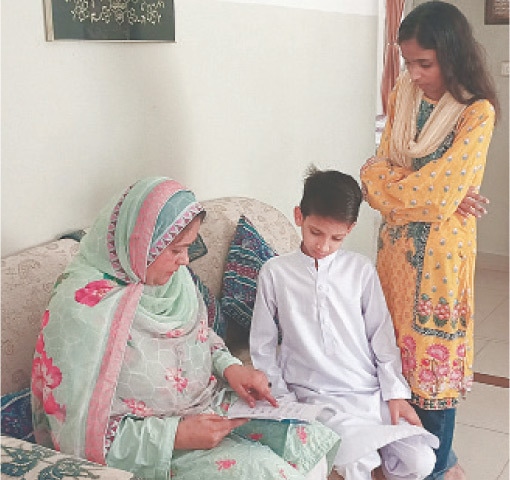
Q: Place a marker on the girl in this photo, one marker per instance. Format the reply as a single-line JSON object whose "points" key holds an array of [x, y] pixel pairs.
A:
{"points": [[424, 180]]}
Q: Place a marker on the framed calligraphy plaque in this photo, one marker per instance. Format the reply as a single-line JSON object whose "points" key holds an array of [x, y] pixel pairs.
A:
{"points": [[496, 12], [110, 20]]}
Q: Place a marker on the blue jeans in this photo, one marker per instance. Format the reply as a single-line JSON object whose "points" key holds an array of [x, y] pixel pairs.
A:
{"points": [[442, 424]]}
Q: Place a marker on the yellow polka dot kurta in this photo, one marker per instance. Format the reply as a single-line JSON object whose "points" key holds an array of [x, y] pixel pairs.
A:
{"points": [[426, 253]]}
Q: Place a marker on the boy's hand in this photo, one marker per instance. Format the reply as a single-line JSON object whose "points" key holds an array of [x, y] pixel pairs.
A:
{"points": [[250, 384], [400, 408]]}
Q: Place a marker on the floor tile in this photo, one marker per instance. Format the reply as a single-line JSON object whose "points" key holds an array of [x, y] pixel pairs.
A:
{"points": [[482, 453], [493, 359], [486, 301], [492, 280], [480, 343], [486, 407], [505, 475], [495, 326]]}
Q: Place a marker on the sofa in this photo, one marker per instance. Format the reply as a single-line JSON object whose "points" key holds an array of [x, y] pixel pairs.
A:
{"points": [[255, 229]]}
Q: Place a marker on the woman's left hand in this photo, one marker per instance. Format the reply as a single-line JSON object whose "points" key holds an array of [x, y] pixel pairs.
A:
{"points": [[473, 204], [250, 384]]}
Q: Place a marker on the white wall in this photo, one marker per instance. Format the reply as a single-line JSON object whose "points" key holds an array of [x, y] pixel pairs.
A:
{"points": [[245, 99]]}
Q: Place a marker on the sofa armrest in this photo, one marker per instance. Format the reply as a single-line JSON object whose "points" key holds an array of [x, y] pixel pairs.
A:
{"points": [[27, 281], [29, 461]]}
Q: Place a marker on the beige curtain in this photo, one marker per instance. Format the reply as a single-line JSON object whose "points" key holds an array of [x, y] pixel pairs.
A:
{"points": [[391, 65]]}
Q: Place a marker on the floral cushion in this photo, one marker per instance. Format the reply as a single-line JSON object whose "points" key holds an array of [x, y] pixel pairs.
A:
{"points": [[17, 415], [247, 253], [29, 461]]}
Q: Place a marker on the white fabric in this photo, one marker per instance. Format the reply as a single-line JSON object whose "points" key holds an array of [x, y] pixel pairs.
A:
{"points": [[338, 348], [319, 472]]}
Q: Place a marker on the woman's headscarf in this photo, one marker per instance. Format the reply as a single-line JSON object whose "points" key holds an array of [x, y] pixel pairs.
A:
{"points": [[87, 325]]}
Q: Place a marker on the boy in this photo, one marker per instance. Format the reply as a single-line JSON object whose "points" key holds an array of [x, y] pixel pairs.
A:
{"points": [[338, 345]]}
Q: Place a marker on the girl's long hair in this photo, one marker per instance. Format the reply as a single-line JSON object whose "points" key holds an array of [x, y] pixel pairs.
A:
{"points": [[442, 27]]}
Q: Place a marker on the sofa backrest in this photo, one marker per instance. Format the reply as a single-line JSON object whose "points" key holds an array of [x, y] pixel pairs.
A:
{"points": [[28, 276], [219, 227], [27, 280]]}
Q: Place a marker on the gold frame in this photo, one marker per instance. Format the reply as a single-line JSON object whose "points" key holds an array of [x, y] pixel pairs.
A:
{"points": [[497, 12]]}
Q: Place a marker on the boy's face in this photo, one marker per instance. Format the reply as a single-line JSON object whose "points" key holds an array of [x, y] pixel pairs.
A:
{"points": [[322, 236]]}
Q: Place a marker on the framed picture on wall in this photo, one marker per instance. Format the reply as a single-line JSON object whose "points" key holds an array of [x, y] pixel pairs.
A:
{"points": [[110, 20], [496, 12]]}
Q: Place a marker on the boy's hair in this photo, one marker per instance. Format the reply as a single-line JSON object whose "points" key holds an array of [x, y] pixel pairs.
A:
{"points": [[332, 194], [442, 27]]}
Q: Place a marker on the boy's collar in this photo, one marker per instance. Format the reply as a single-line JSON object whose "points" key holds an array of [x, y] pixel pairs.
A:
{"points": [[310, 261]]}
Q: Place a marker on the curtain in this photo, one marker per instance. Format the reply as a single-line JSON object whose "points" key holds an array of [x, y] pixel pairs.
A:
{"points": [[391, 64]]}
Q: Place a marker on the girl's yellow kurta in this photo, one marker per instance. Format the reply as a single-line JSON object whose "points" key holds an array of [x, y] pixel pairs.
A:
{"points": [[426, 253]]}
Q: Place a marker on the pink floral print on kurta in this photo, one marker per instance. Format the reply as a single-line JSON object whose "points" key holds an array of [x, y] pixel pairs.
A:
{"points": [[138, 407], [408, 353], [203, 332], [92, 293], [435, 371], [302, 435], [225, 464], [175, 376], [178, 332], [46, 377]]}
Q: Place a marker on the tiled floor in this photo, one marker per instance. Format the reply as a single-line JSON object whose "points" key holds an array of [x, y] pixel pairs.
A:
{"points": [[482, 437]]}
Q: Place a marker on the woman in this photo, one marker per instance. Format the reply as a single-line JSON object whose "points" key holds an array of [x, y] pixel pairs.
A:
{"points": [[126, 371], [424, 181]]}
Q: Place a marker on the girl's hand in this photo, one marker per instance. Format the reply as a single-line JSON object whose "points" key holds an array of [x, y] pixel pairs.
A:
{"points": [[400, 408], [203, 432], [473, 204], [250, 384]]}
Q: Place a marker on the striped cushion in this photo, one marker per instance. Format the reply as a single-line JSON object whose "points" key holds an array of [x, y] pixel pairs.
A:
{"points": [[247, 253], [17, 415], [215, 316]]}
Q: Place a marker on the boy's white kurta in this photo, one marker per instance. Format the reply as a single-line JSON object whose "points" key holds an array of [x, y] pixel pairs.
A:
{"points": [[338, 348]]}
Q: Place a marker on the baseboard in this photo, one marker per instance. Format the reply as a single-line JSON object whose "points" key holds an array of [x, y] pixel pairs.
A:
{"points": [[491, 261]]}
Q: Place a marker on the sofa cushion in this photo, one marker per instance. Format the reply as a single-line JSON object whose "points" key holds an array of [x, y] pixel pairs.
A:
{"points": [[27, 281], [28, 461], [219, 227], [214, 312], [17, 415], [247, 253]]}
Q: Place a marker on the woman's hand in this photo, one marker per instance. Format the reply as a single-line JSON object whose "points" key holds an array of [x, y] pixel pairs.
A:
{"points": [[473, 204], [400, 408], [250, 384], [203, 432]]}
